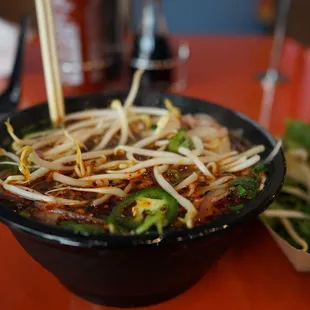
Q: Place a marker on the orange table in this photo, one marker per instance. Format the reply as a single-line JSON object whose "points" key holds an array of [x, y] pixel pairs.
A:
{"points": [[253, 274]]}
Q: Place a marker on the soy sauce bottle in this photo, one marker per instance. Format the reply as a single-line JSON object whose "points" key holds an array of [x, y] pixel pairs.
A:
{"points": [[151, 49]]}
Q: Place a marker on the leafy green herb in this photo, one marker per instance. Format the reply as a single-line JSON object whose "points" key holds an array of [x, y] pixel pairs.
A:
{"points": [[259, 168], [290, 182], [241, 190], [180, 139], [153, 126], [249, 184], [297, 134]]}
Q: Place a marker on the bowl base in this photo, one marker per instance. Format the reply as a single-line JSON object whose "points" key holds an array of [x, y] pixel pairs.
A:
{"points": [[133, 301]]}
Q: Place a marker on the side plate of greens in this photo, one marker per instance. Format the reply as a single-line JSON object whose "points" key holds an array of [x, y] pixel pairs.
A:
{"points": [[288, 218]]}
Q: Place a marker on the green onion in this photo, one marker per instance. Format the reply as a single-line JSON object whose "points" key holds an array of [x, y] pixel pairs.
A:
{"points": [[180, 139], [260, 167], [241, 190]]}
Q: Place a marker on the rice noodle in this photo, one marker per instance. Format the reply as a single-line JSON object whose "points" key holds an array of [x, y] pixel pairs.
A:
{"points": [[128, 187], [90, 113], [251, 152], [150, 140], [246, 164], [196, 160], [149, 110], [113, 175], [222, 180], [134, 89], [27, 194], [14, 178], [9, 155], [79, 136], [262, 183], [114, 164], [49, 165], [116, 104], [212, 167], [102, 190], [85, 156], [59, 149], [198, 144], [100, 201], [38, 174], [41, 134], [224, 146], [161, 142], [45, 142], [162, 123], [12, 163], [108, 136], [98, 122], [233, 163], [191, 189], [155, 162], [192, 178], [70, 202], [70, 181], [221, 196], [146, 152]]}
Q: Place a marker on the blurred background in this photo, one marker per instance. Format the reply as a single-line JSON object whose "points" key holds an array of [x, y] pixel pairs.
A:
{"points": [[205, 16], [100, 40]]}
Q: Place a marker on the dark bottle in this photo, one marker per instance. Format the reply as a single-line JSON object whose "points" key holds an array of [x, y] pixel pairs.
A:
{"points": [[90, 36], [116, 22], [151, 48]]}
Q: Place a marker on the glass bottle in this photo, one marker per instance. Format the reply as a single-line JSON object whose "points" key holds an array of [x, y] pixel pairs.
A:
{"points": [[89, 36], [151, 49]]}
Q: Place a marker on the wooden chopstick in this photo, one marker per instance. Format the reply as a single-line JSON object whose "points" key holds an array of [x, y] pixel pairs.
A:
{"points": [[50, 61]]}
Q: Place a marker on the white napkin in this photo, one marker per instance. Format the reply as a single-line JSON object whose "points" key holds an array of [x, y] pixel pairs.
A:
{"points": [[9, 36]]}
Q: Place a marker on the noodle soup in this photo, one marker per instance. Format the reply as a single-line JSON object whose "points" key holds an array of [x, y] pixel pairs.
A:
{"points": [[131, 170]]}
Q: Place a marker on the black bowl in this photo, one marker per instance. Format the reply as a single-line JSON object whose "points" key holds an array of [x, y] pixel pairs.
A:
{"points": [[138, 270]]}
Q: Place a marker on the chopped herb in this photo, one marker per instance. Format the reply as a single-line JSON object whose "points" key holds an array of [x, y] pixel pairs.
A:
{"points": [[297, 134], [259, 168], [241, 190], [249, 184], [180, 139]]}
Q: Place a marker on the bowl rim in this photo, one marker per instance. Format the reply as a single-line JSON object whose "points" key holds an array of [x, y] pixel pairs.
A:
{"points": [[65, 237]]}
